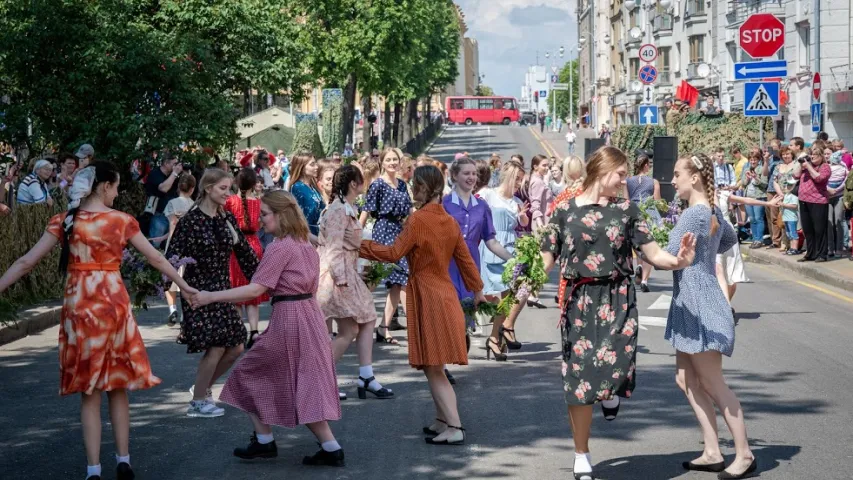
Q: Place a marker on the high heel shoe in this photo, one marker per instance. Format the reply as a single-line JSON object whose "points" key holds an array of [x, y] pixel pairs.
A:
{"points": [[499, 356], [511, 344], [724, 475], [383, 339], [382, 393], [454, 440]]}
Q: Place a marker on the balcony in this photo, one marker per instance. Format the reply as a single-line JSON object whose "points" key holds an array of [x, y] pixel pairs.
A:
{"points": [[664, 77], [662, 22]]}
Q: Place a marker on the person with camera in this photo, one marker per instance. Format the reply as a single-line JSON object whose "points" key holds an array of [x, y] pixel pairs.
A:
{"points": [[754, 185], [813, 174], [160, 187]]}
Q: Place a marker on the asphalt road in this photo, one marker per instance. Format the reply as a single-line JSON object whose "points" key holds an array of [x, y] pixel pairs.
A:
{"points": [[791, 369]]}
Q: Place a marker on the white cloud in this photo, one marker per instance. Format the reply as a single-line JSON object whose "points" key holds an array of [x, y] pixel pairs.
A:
{"points": [[510, 32]]}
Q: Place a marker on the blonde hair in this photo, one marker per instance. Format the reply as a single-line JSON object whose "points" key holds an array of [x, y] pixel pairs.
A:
{"points": [[495, 161], [605, 160], [297, 169], [211, 177], [510, 171], [700, 164], [388, 151], [291, 221], [573, 167]]}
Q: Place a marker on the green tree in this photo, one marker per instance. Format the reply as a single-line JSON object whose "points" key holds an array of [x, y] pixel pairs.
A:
{"points": [[485, 91], [562, 101]]}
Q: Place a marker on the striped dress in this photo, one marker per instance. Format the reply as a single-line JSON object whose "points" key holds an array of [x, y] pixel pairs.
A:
{"points": [[436, 324]]}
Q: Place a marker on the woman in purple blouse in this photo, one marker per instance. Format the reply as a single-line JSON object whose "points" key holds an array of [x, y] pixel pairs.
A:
{"points": [[475, 221], [813, 173]]}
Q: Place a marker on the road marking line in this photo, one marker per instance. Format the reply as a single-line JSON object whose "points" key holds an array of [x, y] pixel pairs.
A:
{"points": [[662, 303], [545, 145], [652, 321], [812, 286]]}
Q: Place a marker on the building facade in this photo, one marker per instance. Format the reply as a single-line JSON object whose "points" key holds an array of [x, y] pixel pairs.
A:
{"points": [[594, 65]]}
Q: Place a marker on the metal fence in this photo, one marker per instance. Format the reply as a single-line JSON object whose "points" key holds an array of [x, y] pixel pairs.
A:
{"points": [[416, 145]]}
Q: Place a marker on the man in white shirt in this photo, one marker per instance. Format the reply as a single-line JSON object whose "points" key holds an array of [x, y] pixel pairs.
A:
{"points": [[571, 136]]}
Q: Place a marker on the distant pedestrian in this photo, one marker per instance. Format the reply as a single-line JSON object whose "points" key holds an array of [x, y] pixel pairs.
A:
{"points": [[571, 137], [542, 121]]}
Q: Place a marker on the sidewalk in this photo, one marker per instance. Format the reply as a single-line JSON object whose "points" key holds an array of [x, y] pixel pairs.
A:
{"points": [[837, 273], [31, 321]]}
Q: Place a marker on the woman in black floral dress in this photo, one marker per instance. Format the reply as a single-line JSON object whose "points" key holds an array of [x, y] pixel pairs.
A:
{"points": [[208, 235], [592, 237]]}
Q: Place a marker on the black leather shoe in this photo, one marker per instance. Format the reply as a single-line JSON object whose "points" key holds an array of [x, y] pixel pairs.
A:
{"points": [[711, 467], [724, 475], [326, 459], [124, 472], [257, 450]]}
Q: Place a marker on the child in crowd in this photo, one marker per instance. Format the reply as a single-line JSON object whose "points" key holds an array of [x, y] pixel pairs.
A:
{"points": [[790, 215]]}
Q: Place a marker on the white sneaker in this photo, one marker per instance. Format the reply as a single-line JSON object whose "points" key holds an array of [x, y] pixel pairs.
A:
{"points": [[204, 409], [208, 398]]}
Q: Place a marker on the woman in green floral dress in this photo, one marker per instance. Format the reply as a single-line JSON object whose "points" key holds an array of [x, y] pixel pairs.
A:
{"points": [[592, 237]]}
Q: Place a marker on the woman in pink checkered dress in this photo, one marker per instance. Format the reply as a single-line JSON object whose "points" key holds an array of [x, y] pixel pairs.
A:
{"points": [[288, 377]]}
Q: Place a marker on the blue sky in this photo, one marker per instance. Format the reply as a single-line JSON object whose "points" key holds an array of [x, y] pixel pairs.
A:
{"points": [[510, 32]]}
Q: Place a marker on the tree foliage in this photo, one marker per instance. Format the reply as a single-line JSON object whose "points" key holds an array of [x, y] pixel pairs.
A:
{"points": [[562, 101], [485, 91]]}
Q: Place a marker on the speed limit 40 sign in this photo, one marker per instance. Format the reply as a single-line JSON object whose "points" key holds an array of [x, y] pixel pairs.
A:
{"points": [[648, 53]]}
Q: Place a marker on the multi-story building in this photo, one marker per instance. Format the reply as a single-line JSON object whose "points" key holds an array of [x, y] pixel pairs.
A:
{"points": [[595, 83], [467, 63]]}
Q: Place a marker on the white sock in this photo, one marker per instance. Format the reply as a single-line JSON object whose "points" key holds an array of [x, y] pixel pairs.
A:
{"points": [[264, 439], [365, 372], [583, 463], [172, 309], [124, 459], [92, 470], [331, 446], [612, 403]]}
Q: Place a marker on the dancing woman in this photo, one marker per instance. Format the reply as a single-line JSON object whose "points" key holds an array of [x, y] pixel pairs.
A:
{"points": [[593, 237], [430, 238], [475, 221], [246, 208], [700, 324], [100, 349], [389, 203], [288, 377], [209, 235], [342, 294]]}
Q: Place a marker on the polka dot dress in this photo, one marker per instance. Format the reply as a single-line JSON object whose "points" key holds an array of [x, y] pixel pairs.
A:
{"points": [[389, 206]]}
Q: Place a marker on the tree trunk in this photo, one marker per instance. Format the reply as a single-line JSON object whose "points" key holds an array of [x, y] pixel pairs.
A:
{"points": [[386, 128], [348, 111], [413, 118], [367, 127], [247, 102], [426, 113], [398, 112], [405, 121]]}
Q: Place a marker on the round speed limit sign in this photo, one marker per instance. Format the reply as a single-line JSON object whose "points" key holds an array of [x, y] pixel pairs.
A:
{"points": [[648, 53]]}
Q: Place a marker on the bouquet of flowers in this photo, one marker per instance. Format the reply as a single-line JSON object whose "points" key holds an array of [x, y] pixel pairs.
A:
{"points": [[143, 280], [486, 309], [375, 272], [652, 209], [524, 274]]}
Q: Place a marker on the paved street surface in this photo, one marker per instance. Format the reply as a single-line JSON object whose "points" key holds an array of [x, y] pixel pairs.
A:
{"points": [[791, 369]]}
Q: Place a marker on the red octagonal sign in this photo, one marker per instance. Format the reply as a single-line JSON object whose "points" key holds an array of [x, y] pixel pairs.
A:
{"points": [[762, 35]]}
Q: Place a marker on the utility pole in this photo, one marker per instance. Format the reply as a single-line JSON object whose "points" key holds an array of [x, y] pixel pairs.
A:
{"points": [[593, 42]]}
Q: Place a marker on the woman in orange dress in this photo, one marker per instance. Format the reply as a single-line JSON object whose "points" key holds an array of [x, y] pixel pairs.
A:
{"points": [[100, 349], [436, 324], [246, 208]]}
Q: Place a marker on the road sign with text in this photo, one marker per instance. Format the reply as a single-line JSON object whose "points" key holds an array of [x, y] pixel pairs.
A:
{"points": [[761, 69], [762, 35], [648, 114], [648, 53], [560, 86], [761, 99]]}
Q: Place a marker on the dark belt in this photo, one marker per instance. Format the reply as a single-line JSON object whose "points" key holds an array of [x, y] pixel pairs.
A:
{"points": [[391, 218], [291, 298]]}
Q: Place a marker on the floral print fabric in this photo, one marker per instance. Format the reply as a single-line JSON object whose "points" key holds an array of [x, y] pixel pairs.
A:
{"points": [[599, 318]]}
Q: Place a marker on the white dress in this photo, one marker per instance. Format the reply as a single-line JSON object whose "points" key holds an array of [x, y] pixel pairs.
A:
{"points": [[731, 259]]}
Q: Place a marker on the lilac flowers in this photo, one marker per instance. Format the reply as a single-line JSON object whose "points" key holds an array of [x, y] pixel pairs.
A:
{"points": [[143, 280]]}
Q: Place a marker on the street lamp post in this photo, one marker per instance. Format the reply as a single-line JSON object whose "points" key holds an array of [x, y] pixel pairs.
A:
{"points": [[554, 93]]}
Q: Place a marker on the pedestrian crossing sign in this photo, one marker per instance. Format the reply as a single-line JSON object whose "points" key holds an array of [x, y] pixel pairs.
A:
{"points": [[761, 99]]}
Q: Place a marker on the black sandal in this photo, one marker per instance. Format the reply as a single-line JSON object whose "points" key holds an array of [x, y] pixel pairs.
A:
{"points": [[382, 393], [429, 431], [383, 339], [511, 344], [724, 475], [251, 340], [432, 441]]}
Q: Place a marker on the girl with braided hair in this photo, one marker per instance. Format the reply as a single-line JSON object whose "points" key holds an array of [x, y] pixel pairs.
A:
{"points": [[246, 208], [700, 324], [343, 296]]}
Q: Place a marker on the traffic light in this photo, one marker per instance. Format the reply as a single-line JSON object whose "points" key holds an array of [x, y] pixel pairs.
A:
{"points": [[536, 97]]}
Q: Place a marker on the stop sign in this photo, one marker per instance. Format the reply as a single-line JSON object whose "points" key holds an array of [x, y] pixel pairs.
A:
{"points": [[762, 35]]}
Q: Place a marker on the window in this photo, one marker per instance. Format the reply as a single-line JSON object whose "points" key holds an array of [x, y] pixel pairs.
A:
{"points": [[456, 104], [632, 18], [804, 50], [676, 64], [633, 68], [508, 104], [695, 7], [663, 59], [697, 48], [472, 104], [487, 104]]}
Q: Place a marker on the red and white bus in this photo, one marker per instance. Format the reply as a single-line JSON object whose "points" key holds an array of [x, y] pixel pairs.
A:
{"points": [[470, 110]]}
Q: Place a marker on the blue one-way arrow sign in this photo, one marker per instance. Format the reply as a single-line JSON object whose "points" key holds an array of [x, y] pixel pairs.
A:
{"points": [[763, 69], [648, 114]]}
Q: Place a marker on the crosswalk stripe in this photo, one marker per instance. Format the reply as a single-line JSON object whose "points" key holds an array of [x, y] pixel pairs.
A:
{"points": [[662, 303]]}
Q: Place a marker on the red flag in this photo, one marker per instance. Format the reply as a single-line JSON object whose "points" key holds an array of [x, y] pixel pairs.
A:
{"points": [[687, 93]]}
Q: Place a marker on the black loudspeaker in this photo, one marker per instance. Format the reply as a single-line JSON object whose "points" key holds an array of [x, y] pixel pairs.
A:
{"points": [[590, 145], [665, 156]]}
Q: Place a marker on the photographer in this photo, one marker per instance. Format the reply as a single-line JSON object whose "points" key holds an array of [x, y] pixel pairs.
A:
{"points": [[814, 173], [161, 186], [754, 183]]}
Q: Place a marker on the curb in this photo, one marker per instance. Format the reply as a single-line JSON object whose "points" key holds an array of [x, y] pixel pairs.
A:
{"points": [[31, 321], [809, 270], [435, 139]]}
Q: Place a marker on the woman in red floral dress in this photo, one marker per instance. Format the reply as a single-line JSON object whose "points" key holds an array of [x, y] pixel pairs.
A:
{"points": [[246, 208], [100, 349]]}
